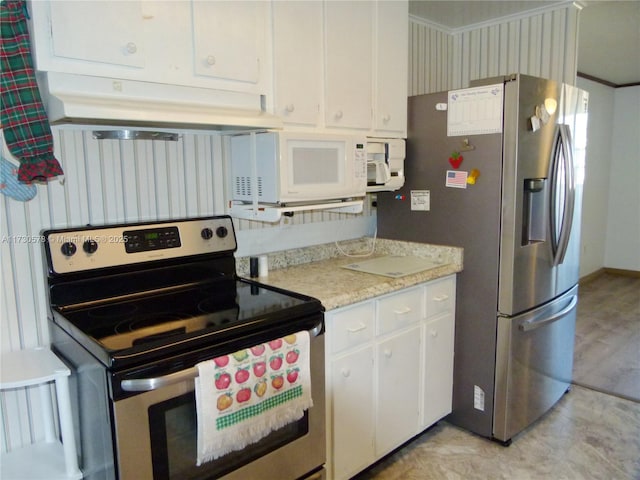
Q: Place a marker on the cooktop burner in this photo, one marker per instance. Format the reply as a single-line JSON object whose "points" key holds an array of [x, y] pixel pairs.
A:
{"points": [[164, 317]]}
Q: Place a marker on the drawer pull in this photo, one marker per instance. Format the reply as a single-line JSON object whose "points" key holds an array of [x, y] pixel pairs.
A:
{"points": [[360, 327], [131, 48], [441, 298], [346, 372], [387, 353], [434, 333], [402, 311]]}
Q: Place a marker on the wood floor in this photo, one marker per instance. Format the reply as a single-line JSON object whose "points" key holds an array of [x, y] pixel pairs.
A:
{"points": [[607, 346]]}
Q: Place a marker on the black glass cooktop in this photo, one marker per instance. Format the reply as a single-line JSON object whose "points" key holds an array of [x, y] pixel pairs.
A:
{"points": [[170, 316]]}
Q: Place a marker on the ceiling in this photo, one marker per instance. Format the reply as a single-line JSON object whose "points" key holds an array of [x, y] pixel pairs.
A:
{"points": [[609, 31]]}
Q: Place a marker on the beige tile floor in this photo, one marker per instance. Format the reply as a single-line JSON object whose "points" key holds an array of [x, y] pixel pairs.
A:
{"points": [[587, 435]]}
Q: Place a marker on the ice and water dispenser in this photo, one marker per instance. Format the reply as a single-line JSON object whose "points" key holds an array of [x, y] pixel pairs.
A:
{"points": [[535, 212]]}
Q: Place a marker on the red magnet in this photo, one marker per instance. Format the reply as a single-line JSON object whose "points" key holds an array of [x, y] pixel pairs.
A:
{"points": [[455, 160]]}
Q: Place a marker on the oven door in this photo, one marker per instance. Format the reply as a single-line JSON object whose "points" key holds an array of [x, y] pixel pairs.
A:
{"points": [[156, 435]]}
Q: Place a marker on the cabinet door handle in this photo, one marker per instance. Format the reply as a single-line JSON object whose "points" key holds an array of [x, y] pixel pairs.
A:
{"points": [[346, 372], [387, 353], [338, 115], [290, 108], [402, 311], [132, 48], [360, 327], [434, 333], [441, 298], [211, 60]]}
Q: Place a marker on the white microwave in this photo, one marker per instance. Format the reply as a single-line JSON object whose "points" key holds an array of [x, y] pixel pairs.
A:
{"points": [[297, 168]]}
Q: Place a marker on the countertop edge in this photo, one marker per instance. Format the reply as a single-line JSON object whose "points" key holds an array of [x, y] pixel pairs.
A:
{"points": [[316, 271]]}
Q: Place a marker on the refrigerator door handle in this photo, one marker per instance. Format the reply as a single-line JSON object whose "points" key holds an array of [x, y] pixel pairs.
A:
{"points": [[562, 153], [534, 323]]}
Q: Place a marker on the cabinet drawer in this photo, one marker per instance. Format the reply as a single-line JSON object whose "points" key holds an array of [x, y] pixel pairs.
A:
{"points": [[351, 326], [399, 310], [441, 296]]}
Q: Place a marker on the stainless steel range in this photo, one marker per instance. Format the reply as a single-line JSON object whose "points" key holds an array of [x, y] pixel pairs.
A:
{"points": [[134, 309]]}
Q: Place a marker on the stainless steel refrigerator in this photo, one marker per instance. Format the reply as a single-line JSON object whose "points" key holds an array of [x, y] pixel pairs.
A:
{"points": [[498, 169]]}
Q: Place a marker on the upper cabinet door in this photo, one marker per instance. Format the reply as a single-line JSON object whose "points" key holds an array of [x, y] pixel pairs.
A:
{"points": [[349, 64], [297, 49], [229, 39], [98, 31], [391, 67]]}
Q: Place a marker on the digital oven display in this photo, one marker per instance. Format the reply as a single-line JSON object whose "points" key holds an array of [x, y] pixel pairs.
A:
{"points": [[151, 239]]}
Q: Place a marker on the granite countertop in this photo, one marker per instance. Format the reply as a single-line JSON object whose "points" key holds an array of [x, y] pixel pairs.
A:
{"points": [[316, 271]]}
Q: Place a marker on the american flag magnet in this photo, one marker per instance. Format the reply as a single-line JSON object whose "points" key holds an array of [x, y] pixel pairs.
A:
{"points": [[456, 179]]}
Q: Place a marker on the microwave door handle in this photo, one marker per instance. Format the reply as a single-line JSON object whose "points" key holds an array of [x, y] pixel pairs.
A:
{"points": [[155, 383]]}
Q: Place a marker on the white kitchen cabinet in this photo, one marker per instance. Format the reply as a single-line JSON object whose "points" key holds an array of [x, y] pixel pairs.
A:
{"points": [[398, 390], [402, 309], [297, 49], [352, 400], [438, 369], [350, 389], [389, 372], [346, 68], [216, 44], [348, 64], [438, 334], [229, 39], [391, 68], [89, 33]]}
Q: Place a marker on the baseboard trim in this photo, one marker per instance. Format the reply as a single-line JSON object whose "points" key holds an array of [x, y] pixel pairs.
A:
{"points": [[613, 271], [626, 273]]}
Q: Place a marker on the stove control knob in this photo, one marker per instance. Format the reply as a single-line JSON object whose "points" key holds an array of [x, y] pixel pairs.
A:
{"points": [[206, 233], [90, 246], [222, 232], [68, 249]]}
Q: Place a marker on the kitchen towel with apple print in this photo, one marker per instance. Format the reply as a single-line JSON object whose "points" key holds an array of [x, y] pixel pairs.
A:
{"points": [[242, 397]]}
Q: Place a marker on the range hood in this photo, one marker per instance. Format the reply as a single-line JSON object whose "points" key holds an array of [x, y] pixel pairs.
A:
{"points": [[88, 100]]}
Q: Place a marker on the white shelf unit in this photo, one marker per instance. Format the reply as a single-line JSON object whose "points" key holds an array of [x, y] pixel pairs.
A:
{"points": [[50, 459]]}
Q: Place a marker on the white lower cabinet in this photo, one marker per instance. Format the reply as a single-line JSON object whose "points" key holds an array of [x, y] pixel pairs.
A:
{"points": [[398, 390], [353, 408], [438, 369], [389, 372]]}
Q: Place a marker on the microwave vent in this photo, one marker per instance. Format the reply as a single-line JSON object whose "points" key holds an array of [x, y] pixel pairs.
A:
{"points": [[243, 187]]}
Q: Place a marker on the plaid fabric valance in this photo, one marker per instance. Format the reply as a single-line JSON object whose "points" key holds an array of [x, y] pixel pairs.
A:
{"points": [[24, 121]]}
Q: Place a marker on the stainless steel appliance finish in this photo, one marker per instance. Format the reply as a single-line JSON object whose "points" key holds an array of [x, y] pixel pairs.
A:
{"points": [[166, 403], [134, 309], [519, 225]]}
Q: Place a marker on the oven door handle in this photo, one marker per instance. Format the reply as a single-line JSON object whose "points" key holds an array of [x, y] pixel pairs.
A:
{"points": [[154, 383]]}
